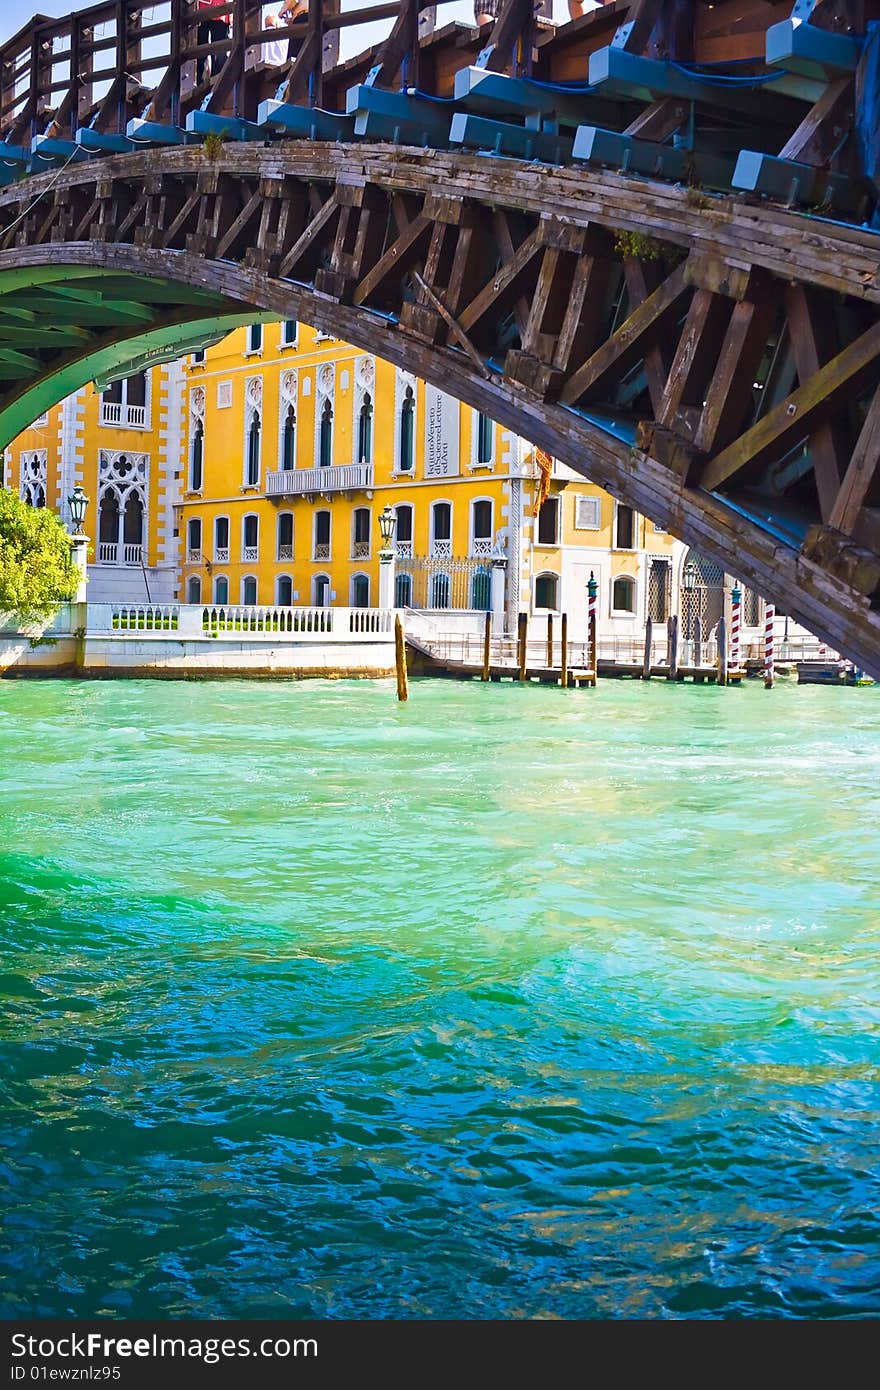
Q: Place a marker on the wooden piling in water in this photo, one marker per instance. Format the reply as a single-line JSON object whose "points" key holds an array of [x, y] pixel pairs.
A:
{"points": [[549, 640], [400, 660], [698, 641], [673, 648], [563, 673], [646, 660], [522, 637], [487, 646], [594, 645], [722, 651]]}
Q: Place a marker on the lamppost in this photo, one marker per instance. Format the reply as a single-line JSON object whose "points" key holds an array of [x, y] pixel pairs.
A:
{"points": [[387, 527], [77, 505], [689, 584]]}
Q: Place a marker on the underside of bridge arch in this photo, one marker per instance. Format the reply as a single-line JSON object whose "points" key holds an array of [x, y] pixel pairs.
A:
{"points": [[673, 363]]}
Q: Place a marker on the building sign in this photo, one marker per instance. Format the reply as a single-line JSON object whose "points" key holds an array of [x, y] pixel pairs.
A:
{"points": [[441, 434]]}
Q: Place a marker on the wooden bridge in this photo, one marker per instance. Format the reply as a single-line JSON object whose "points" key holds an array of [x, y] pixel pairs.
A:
{"points": [[646, 239]]}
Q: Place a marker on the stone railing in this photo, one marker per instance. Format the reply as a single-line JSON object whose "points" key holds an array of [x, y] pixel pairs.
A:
{"points": [[232, 622], [338, 477]]}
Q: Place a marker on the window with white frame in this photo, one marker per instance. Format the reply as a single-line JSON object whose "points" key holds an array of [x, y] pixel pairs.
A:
{"points": [[194, 541], [405, 423], [548, 522], [360, 533], [33, 476], [197, 359], [481, 526], [481, 590], [364, 389], [587, 514], [441, 534], [547, 591], [249, 590], [322, 536], [403, 590], [196, 471], [284, 590], [285, 536], [439, 591], [403, 531], [126, 403], [253, 428], [254, 338], [623, 594], [250, 537], [624, 527], [484, 443], [221, 540], [194, 589], [360, 591], [321, 591], [289, 333], [221, 589]]}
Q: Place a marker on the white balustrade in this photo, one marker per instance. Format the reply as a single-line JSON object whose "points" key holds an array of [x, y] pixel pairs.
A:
{"points": [[219, 622], [285, 552], [125, 416], [194, 557], [250, 552], [132, 554], [360, 550], [108, 552], [480, 548], [338, 477], [404, 550], [322, 551], [111, 412], [221, 556], [441, 550]]}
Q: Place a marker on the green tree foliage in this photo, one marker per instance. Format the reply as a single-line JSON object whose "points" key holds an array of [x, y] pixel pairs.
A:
{"points": [[36, 566]]}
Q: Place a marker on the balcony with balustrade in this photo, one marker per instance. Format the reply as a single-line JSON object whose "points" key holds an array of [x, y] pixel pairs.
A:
{"points": [[313, 482], [112, 553], [123, 416]]}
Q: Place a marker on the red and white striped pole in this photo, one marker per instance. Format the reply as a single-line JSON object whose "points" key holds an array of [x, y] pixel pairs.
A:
{"points": [[769, 619], [592, 593], [735, 619]]}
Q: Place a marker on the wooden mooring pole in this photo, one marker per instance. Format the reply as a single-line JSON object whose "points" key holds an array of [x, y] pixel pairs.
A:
{"points": [[487, 646], [698, 641], [673, 648], [646, 660], [563, 673], [549, 639], [400, 660], [722, 651], [522, 624], [594, 645]]}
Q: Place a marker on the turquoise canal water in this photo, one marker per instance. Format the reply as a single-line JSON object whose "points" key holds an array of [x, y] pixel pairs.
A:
{"points": [[506, 1003]]}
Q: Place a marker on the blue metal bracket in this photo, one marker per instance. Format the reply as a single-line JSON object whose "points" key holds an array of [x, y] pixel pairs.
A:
{"points": [[596, 146], [490, 93], [612, 70], [397, 116], [810, 51], [147, 132], [514, 141], [304, 122], [49, 148], [229, 127], [790, 181], [96, 142]]}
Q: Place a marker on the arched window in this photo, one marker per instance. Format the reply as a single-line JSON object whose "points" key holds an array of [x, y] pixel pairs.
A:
{"points": [[196, 457], [249, 590], [322, 536], [108, 527], [194, 589], [623, 594], [221, 589], [133, 529], [440, 591], [321, 591], [403, 591], [441, 529], [285, 536], [288, 440], [325, 441], [360, 533], [284, 590], [194, 540], [221, 540], [407, 431], [403, 531], [250, 537], [547, 591], [252, 472], [485, 432], [481, 590], [365, 430], [481, 527], [360, 591]]}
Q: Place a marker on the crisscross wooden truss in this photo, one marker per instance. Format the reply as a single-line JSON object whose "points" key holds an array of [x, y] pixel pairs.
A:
{"points": [[712, 360]]}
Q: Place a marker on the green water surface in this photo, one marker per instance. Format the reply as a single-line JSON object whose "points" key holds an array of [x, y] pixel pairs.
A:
{"points": [[504, 1003]]}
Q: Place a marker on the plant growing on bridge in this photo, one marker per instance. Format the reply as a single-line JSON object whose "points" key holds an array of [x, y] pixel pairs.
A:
{"points": [[637, 244], [37, 572], [213, 144]]}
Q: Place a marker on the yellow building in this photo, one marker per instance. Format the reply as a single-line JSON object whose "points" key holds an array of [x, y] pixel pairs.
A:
{"points": [[254, 473]]}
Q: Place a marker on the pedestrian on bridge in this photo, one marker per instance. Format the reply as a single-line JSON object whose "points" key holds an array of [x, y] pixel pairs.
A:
{"points": [[211, 30]]}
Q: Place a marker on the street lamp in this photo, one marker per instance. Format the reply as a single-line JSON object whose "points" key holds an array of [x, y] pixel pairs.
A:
{"points": [[387, 525], [77, 504]]}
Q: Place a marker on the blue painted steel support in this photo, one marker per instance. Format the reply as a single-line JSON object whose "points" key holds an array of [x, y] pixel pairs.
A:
{"points": [[596, 146], [304, 122], [514, 141], [229, 127], [810, 51], [397, 116]]}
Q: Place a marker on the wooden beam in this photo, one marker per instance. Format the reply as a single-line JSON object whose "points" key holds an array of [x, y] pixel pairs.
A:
{"points": [[860, 474], [635, 337], [811, 326], [503, 280], [844, 377], [730, 389], [696, 352], [824, 126]]}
